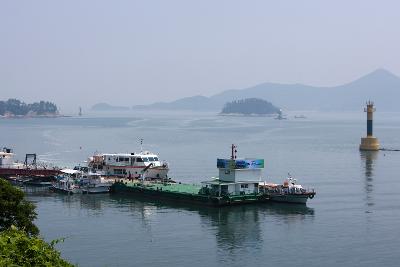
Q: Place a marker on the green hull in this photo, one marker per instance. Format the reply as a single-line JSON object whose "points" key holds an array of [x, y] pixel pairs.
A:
{"points": [[185, 193], [298, 199]]}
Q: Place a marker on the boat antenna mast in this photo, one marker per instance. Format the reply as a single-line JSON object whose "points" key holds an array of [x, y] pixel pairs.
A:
{"points": [[141, 145], [234, 151]]}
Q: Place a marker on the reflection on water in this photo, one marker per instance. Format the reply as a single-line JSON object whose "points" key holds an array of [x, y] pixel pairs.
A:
{"points": [[368, 157], [236, 231], [235, 226], [105, 230]]}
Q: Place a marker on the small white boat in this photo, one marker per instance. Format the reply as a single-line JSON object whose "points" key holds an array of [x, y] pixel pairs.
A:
{"points": [[95, 184], [67, 182], [288, 192]]}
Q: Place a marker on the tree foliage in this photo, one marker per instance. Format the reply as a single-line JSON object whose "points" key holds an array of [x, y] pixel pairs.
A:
{"points": [[17, 107], [19, 249], [250, 106], [15, 210]]}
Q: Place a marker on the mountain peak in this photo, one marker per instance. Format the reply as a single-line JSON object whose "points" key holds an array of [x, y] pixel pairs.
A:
{"points": [[381, 73], [376, 78]]}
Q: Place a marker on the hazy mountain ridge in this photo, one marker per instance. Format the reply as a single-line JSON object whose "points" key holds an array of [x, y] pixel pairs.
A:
{"points": [[107, 107], [381, 86]]}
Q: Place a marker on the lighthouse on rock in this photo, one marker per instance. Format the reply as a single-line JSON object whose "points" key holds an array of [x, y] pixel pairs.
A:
{"points": [[370, 142]]}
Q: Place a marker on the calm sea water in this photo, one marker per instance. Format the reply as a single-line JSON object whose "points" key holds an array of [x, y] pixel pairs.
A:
{"points": [[353, 220]]}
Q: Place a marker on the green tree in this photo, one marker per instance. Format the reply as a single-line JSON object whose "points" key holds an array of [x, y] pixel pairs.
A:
{"points": [[17, 107], [2, 108], [250, 106], [15, 210], [19, 249]]}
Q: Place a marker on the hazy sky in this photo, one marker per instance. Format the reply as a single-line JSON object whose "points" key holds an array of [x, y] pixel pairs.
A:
{"points": [[138, 52]]}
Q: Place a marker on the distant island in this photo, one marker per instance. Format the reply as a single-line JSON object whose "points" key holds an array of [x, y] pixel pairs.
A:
{"points": [[381, 86], [107, 107], [17, 108], [249, 106]]}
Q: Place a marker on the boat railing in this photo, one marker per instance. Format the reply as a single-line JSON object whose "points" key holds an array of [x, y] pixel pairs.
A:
{"points": [[311, 190], [164, 164], [288, 191]]}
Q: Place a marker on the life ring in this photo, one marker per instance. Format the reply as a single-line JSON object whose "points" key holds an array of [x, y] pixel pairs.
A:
{"points": [[311, 196]]}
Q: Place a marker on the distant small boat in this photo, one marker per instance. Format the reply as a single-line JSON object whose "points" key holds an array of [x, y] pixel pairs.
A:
{"points": [[280, 116], [300, 117]]}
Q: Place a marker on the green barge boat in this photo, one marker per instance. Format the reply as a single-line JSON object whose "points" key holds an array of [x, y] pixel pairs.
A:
{"points": [[239, 182], [185, 193]]}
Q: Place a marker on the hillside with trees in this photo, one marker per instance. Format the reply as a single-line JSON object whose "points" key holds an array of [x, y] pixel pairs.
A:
{"points": [[249, 106], [20, 243], [15, 107]]}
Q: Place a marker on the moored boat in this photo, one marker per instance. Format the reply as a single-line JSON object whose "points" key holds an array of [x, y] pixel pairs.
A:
{"points": [[9, 167], [67, 182], [131, 166], [94, 183], [288, 192], [239, 182]]}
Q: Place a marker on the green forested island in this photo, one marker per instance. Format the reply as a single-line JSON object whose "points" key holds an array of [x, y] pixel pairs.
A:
{"points": [[249, 106], [15, 107]]}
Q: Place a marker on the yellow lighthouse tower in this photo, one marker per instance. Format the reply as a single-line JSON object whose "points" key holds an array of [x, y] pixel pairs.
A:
{"points": [[370, 142]]}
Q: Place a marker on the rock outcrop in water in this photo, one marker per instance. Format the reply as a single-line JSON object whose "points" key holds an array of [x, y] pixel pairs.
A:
{"points": [[250, 106]]}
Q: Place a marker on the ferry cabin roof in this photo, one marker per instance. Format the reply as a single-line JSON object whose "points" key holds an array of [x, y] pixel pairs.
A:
{"points": [[128, 159], [130, 155]]}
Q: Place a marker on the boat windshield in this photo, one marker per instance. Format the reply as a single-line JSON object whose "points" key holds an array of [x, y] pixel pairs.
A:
{"points": [[145, 159], [151, 159], [155, 159]]}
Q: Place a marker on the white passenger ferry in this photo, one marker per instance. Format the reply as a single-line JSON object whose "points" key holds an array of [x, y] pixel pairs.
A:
{"points": [[134, 165]]}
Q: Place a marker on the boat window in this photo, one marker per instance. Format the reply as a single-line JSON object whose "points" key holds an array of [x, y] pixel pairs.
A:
{"points": [[139, 160], [145, 159], [118, 171], [151, 159], [155, 159]]}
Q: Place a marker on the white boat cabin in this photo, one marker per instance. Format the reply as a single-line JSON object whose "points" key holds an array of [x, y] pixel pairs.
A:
{"points": [[236, 177], [129, 165], [6, 158], [220, 188], [124, 160]]}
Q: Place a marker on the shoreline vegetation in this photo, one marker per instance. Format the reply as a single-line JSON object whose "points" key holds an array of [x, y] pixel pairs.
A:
{"points": [[249, 107], [20, 242], [14, 108]]}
